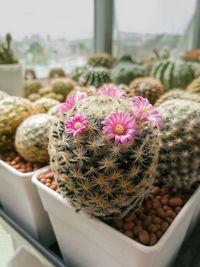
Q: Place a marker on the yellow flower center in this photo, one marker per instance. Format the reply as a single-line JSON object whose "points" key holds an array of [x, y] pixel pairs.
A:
{"points": [[77, 125], [145, 110], [119, 129]]}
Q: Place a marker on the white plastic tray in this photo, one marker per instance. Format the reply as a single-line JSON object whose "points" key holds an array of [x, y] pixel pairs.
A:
{"points": [[89, 242], [21, 201]]}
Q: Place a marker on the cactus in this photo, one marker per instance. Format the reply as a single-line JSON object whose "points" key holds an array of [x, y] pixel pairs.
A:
{"points": [[32, 138], [32, 87], [125, 72], [104, 158], [30, 74], [113, 85], [173, 74], [34, 97], [100, 60], [96, 76], [147, 87], [194, 86], [125, 58], [44, 91], [13, 110], [62, 86], [177, 93], [57, 97], [56, 73], [6, 53], [88, 91], [43, 105], [78, 72], [3, 95], [179, 155]]}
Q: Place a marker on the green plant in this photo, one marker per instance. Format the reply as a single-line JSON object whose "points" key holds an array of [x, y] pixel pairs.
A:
{"points": [[34, 97], [78, 72], [179, 154], [62, 86], [6, 53], [86, 90], [173, 74], [104, 177], [125, 72], [44, 91], [96, 76], [100, 60], [32, 138], [125, 58], [32, 87], [43, 105], [194, 86], [56, 73], [30, 74], [147, 87], [13, 110], [3, 95]]}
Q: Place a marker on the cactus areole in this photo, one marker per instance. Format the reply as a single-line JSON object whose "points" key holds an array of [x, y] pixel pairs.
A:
{"points": [[104, 151]]}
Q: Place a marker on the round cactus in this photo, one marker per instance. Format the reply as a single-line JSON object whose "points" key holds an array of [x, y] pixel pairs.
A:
{"points": [[173, 74], [30, 74], [103, 152], [56, 73], [13, 110], [194, 86], [78, 72], [88, 91], [3, 95], [32, 138], [43, 105], [179, 155], [100, 60], [96, 76], [147, 87], [44, 91], [32, 87], [125, 72], [62, 86], [34, 97]]}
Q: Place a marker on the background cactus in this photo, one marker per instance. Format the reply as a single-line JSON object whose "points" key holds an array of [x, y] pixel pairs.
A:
{"points": [[43, 105], [13, 110], [179, 155], [88, 91], [62, 86], [101, 177], [34, 97], [30, 74], [32, 138], [96, 76], [173, 74], [6, 53], [56, 73], [100, 60], [194, 86], [3, 95], [32, 87], [125, 72], [78, 72], [147, 87]]}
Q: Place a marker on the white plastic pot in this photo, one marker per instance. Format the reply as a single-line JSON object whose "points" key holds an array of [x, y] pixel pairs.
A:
{"points": [[20, 199], [11, 80], [89, 242]]}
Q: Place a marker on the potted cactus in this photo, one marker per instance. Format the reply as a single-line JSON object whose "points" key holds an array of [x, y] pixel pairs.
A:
{"points": [[10, 69]]}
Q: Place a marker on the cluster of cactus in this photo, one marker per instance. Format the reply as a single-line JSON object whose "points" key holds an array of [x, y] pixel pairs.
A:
{"points": [[106, 173], [125, 72], [100, 60], [173, 74], [147, 87], [3, 95], [46, 93], [32, 87], [96, 76], [177, 94], [43, 105], [62, 86], [13, 110], [30, 74], [179, 154], [78, 72], [6, 53], [56, 73], [32, 138], [194, 86]]}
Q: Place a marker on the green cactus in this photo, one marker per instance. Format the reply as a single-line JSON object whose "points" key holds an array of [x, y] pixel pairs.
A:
{"points": [[173, 74], [32, 87], [57, 97], [34, 97], [100, 60], [179, 155], [43, 105], [96, 76], [62, 86], [102, 178], [125, 72], [32, 138], [194, 86], [6, 53], [3, 95], [147, 87], [44, 91], [30, 74], [78, 72], [13, 110], [56, 73]]}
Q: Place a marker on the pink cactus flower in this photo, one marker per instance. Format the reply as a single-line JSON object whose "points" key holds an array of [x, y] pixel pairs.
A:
{"points": [[145, 111], [70, 102], [112, 92], [120, 127], [76, 125]]}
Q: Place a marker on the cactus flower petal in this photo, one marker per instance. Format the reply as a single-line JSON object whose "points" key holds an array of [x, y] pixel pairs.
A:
{"points": [[76, 125]]}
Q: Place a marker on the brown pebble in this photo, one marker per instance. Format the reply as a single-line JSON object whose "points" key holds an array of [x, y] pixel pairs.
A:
{"points": [[176, 201], [164, 226], [161, 212], [129, 234], [156, 220], [137, 229], [48, 184], [137, 222], [169, 220], [130, 217], [129, 226], [171, 214], [53, 187], [155, 190], [177, 209], [165, 208], [156, 204], [43, 181], [152, 227], [148, 204], [152, 239], [146, 221], [164, 201], [118, 222], [164, 191], [159, 234], [48, 180], [143, 237], [141, 215]]}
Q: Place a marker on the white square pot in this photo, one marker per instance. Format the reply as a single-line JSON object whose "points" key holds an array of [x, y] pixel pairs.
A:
{"points": [[11, 80], [21, 201], [89, 242]]}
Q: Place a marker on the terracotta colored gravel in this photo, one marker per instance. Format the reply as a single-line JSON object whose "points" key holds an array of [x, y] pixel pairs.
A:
{"points": [[47, 179], [20, 164]]}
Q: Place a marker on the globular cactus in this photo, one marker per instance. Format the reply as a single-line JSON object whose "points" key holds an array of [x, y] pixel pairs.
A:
{"points": [[6, 54], [100, 60], [173, 74], [56, 73], [96, 76], [179, 155], [32, 87], [125, 72], [147, 87], [32, 138], [177, 94], [103, 152], [88, 91], [44, 91], [13, 110], [78, 72], [34, 97], [43, 105], [3, 95], [113, 85], [62, 86], [30, 74], [194, 86]]}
